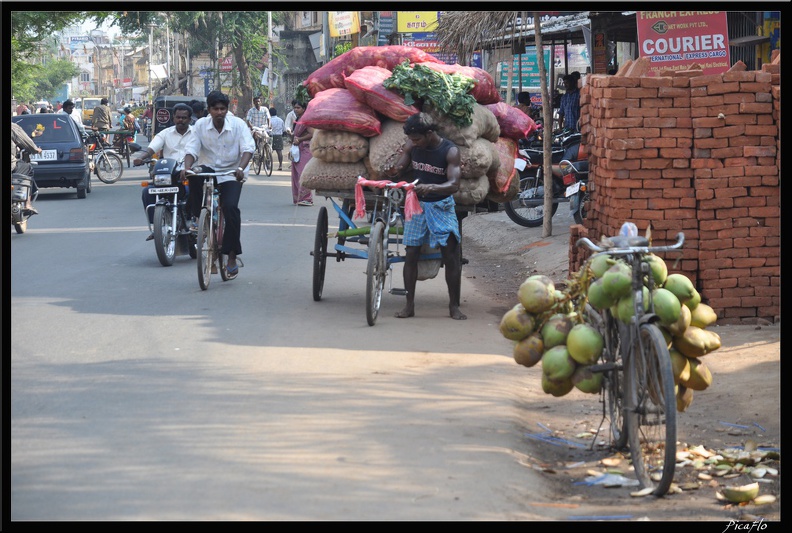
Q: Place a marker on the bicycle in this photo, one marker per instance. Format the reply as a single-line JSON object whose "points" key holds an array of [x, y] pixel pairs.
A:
{"points": [[211, 227], [105, 162], [638, 381], [263, 153]]}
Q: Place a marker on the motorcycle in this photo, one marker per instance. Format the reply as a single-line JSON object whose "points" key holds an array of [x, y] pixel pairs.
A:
{"points": [[21, 189], [172, 235], [570, 180]]}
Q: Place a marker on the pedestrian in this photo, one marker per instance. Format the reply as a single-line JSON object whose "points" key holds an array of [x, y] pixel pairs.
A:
{"points": [[569, 110], [172, 143], [198, 109], [68, 109], [302, 139], [22, 109], [257, 115], [20, 139], [288, 124], [435, 163], [524, 102], [277, 135], [221, 143]]}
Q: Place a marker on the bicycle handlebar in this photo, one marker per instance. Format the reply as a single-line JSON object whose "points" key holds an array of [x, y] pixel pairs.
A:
{"points": [[627, 245], [211, 174]]}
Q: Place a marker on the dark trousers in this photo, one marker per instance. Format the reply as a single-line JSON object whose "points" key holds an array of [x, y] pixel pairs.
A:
{"points": [[230, 191], [23, 167]]}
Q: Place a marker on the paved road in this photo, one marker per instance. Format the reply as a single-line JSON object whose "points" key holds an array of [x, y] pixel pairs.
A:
{"points": [[135, 395]]}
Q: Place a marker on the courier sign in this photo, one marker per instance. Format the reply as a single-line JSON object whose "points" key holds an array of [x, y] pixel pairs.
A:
{"points": [[679, 40]]}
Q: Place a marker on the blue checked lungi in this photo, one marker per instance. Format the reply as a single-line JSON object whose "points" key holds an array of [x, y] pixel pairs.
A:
{"points": [[434, 225]]}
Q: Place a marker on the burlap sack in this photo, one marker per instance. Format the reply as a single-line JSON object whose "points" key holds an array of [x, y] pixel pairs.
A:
{"points": [[472, 190], [484, 125], [475, 159], [319, 175], [338, 146], [428, 269], [386, 148]]}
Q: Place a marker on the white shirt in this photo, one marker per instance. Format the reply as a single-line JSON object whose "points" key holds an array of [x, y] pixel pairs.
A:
{"points": [[77, 118], [172, 143], [291, 118], [221, 150]]}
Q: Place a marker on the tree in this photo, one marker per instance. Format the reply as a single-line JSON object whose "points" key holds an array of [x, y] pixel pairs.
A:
{"points": [[28, 30]]}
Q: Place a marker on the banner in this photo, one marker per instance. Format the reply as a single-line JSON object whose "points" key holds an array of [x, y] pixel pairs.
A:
{"points": [[675, 40], [530, 70], [416, 21], [343, 23], [385, 27]]}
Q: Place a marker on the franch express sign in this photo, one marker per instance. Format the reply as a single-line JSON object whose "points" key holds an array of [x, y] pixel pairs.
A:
{"points": [[675, 40]]}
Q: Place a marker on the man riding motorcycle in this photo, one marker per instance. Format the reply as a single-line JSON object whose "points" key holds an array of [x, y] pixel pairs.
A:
{"points": [[172, 142], [22, 140]]}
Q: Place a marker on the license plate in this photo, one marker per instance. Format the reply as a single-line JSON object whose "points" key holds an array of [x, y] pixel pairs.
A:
{"points": [[573, 189], [164, 190], [45, 155]]}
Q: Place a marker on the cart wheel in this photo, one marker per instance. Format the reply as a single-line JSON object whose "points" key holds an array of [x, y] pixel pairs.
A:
{"points": [[376, 271], [320, 254]]}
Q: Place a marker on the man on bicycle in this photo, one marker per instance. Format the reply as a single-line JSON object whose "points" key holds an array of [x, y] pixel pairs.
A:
{"points": [[435, 162], [258, 116], [172, 142], [221, 143]]}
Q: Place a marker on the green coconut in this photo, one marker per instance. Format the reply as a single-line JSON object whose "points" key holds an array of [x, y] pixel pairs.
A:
{"points": [[599, 264], [517, 323], [597, 297], [666, 306], [537, 294], [681, 286], [617, 280], [556, 388], [555, 330], [658, 268], [557, 364], [529, 351], [584, 344], [587, 381]]}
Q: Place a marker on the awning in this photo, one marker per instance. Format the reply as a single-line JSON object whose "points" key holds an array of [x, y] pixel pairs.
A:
{"points": [[159, 72], [562, 28]]}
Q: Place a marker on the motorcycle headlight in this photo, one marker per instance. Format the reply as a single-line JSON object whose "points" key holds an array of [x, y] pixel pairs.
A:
{"points": [[162, 179]]}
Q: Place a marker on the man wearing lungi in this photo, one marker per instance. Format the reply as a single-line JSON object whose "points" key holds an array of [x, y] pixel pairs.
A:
{"points": [[435, 163]]}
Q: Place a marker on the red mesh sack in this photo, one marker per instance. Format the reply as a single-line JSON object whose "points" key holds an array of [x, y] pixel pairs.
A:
{"points": [[365, 84], [331, 74], [337, 109], [501, 176], [484, 92], [513, 123]]}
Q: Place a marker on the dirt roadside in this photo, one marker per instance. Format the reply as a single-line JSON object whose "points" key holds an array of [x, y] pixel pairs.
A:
{"points": [[741, 409]]}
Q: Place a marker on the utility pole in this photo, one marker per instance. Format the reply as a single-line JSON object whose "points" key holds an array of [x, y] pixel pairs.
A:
{"points": [[150, 59], [269, 57]]}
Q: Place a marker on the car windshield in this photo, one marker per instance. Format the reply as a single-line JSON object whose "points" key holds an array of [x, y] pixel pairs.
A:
{"points": [[90, 104], [47, 127]]}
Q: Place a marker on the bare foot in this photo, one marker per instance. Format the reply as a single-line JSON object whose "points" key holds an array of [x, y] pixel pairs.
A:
{"points": [[407, 312], [456, 314]]}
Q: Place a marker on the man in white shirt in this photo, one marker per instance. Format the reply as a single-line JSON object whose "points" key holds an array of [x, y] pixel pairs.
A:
{"points": [[172, 142], [291, 118], [258, 116], [68, 109], [221, 143]]}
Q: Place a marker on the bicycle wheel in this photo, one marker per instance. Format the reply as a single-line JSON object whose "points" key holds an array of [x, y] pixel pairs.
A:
{"points": [[527, 208], [222, 260], [614, 380], [258, 157], [164, 239], [267, 156], [206, 245], [109, 167], [375, 272], [320, 254], [651, 410]]}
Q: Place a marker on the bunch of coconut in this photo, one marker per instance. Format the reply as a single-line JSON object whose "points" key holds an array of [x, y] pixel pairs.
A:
{"points": [[546, 328], [358, 125], [683, 318]]}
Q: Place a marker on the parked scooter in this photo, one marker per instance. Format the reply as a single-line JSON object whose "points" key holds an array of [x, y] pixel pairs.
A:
{"points": [[172, 235], [570, 180], [21, 190]]}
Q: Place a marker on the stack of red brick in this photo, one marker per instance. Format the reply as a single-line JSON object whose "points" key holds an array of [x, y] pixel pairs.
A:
{"points": [[685, 152]]}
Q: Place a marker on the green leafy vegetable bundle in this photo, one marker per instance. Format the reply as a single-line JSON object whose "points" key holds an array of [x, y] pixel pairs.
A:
{"points": [[447, 93]]}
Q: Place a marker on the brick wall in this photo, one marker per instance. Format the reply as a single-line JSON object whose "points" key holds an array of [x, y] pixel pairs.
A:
{"points": [[697, 154]]}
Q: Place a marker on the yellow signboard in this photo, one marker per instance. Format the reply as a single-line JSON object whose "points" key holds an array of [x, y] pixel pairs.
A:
{"points": [[416, 21], [343, 23]]}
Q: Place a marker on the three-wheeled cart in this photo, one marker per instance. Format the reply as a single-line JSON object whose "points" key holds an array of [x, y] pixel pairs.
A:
{"points": [[378, 240]]}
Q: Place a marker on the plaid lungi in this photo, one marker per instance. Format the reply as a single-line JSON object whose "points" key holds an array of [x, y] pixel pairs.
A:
{"points": [[434, 225], [277, 142]]}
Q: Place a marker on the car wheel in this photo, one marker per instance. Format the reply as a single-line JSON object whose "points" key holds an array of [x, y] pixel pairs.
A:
{"points": [[82, 188]]}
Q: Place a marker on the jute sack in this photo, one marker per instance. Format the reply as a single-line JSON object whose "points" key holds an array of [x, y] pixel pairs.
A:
{"points": [[386, 148], [319, 175], [475, 159], [472, 190], [484, 125], [428, 269], [338, 146]]}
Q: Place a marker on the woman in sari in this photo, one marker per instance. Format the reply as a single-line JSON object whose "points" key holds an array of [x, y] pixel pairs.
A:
{"points": [[302, 139]]}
